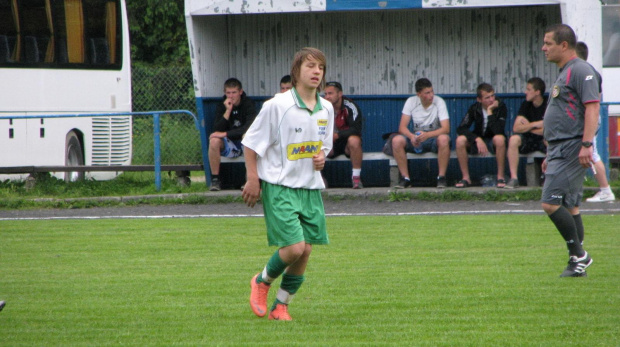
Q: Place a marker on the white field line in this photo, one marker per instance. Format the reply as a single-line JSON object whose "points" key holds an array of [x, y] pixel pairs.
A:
{"points": [[426, 213]]}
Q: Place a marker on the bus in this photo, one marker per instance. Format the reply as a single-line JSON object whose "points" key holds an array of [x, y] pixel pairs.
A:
{"points": [[64, 57]]}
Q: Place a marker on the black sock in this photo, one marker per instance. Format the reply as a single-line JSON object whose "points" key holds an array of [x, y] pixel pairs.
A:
{"points": [[213, 177], [579, 225], [565, 224]]}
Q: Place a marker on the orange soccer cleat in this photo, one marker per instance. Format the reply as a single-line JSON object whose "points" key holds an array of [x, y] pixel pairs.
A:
{"points": [[280, 313], [258, 297]]}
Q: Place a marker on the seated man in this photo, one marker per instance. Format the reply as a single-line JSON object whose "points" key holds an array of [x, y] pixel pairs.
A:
{"points": [[431, 131], [348, 124], [489, 118], [233, 117], [528, 128]]}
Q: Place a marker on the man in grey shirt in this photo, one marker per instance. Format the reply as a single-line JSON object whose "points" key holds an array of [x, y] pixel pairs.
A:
{"points": [[570, 124]]}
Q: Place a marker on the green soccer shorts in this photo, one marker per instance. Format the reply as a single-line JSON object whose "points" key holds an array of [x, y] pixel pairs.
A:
{"points": [[293, 215]]}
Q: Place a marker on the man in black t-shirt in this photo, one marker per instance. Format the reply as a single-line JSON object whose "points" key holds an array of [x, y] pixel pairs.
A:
{"points": [[527, 128]]}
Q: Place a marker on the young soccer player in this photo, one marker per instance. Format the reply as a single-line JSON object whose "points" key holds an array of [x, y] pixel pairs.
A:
{"points": [[285, 150]]}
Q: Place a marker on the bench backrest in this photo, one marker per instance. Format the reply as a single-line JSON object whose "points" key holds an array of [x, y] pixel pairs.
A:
{"points": [[382, 113]]}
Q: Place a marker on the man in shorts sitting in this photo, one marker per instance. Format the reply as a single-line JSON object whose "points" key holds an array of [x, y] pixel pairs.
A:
{"points": [[431, 132], [233, 117], [527, 128]]}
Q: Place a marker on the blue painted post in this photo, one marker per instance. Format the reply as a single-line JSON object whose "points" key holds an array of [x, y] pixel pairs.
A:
{"points": [[204, 143], [157, 150]]}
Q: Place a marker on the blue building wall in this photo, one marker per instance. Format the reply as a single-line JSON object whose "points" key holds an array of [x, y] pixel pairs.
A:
{"points": [[382, 115]]}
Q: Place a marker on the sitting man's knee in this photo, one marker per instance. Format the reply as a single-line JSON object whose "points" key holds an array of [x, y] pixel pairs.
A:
{"points": [[355, 141]]}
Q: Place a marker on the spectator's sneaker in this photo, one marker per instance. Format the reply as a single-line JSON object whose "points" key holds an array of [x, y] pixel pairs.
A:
{"points": [[2, 303], [258, 297], [512, 184], [357, 182], [280, 313], [403, 183], [441, 182], [601, 196], [577, 266], [215, 185]]}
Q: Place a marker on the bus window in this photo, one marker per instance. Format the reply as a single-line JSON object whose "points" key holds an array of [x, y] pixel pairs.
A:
{"points": [[76, 34]]}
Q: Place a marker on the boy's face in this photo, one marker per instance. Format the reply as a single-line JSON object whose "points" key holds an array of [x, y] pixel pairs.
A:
{"points": [[234, 95], [285, 86], [486, 98], [311, 73], [426, 96], [530, 92], [332, 94]]}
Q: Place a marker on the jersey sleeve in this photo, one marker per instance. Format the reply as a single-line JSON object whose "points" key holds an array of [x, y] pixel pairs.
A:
{"points": [[587, 83], [262, 131]]}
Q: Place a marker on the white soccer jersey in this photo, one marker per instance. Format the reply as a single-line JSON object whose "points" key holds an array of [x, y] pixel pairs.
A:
{"points": [[426, 119], [285, 136]]}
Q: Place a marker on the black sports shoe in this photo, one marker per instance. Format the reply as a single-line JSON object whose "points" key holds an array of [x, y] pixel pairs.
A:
{"points": [[2, 303], [577, 266], [441, 182], [403, 183], [215, 185]]}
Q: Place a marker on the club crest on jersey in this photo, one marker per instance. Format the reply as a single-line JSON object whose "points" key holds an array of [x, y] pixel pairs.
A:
{"points": [[296, 151], [555, 92]]}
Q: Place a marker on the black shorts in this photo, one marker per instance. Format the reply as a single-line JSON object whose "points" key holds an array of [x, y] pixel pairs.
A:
{"points": [[339, 147], [529, 145]]}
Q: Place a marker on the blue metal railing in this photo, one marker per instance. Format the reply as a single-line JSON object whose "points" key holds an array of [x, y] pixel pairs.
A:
{"points": [[156, 130]]}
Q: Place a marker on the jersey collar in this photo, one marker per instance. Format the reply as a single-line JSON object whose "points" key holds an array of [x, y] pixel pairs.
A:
{"points": [[300, 103]]}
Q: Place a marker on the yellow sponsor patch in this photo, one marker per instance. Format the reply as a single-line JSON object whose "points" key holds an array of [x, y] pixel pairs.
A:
{"points": [[322, 122], [302, 150]]}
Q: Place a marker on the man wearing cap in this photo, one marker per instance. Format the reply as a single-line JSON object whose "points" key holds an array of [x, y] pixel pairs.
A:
{"points": [[348, 123]]}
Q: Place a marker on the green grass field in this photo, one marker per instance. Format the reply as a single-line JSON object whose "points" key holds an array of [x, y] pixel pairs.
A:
{"points": [[412, 281]]}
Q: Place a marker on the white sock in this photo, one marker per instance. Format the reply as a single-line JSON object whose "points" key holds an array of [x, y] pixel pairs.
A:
{"points": [[266, 277], [357, 172], [606, 190], [284, 297]]}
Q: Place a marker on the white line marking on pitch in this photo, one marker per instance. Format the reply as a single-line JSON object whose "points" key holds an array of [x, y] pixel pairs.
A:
{"points": [[341, 214]]}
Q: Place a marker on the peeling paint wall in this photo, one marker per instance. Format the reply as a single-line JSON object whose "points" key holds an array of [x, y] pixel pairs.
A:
{"points": [[380, 52]]}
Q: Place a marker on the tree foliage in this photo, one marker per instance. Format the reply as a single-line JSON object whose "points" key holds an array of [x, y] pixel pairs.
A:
{"points": [[158, 33]]}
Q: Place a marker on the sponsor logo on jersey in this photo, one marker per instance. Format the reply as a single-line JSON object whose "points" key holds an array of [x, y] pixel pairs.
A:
{"points": [[297, 130], [555, 92], [321, 122], [589, 77], [296, 151]]}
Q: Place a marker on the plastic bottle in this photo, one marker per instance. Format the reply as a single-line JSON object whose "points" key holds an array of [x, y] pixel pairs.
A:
{"points": [[418, 149]]}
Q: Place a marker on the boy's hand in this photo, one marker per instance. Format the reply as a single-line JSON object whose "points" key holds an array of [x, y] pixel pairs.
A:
{"points": [[319, 161]]}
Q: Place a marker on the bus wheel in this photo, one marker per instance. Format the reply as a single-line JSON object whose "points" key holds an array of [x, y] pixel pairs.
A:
{"points": [[73, 157]]}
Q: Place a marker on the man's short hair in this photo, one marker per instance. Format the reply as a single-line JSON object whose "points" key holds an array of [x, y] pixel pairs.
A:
{"points": [[285, 79], [334, 84], [582, 50], [561, 33], [538, 84], [484, 87], [422, 83], [303, 54], [233, 83]]}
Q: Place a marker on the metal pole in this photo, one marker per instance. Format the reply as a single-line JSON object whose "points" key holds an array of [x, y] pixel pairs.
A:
{"points": [[157, 151]]}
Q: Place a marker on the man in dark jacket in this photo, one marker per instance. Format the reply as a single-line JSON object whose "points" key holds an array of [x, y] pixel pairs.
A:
{"points": [[348, 130], [233, 117], [488, 115]]}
